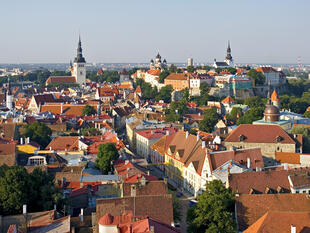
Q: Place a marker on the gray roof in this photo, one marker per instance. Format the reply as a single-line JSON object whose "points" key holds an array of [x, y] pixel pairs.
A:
{"points": [[99, 178]]}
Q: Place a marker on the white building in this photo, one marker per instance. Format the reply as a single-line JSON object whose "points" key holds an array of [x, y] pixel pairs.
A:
{"points": [[79, 66]]}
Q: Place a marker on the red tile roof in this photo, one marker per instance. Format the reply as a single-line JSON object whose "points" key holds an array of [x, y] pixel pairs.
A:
{"points": [[228, 100], [274, 96], [281, 222], [258, 182], [151, 206], [152, 134], [155, 72], [7, 154], [67, 109], [266, 69], [157, 187], [177, 76], [217, 159], [60, 79], [259, 134], [252, 207], [287, 157]]}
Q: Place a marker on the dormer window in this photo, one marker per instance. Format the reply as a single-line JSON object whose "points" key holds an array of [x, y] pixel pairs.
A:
{"points": [[242, 138], [279, 139]]}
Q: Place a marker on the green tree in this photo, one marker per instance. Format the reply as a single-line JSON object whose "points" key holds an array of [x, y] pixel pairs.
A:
{"points": [[90, 132], [38, 132], [185, 94], [298, 106], [148, 92], [254, 114], [214, 210], [232, 70], [88, 110], [254, 101], [14, 190], [258, 77], [106, 154], [165, 94], [209, 120], [307, 114], [235, 112], [305, 137], [164, 74], [17, 187], [173, 69], [190, 69], [43, 191]]}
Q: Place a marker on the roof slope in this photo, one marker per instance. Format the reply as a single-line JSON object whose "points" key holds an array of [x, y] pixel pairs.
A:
{"points": [[281, 222], [258, 181], [259, 134], [252, 207]]}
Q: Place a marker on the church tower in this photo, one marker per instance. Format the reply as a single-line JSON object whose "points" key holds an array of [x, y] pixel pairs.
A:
{"points": [[9, 97], [79, 65], [228, 59]]}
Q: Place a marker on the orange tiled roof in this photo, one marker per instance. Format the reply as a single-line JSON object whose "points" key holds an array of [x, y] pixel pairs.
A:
{"points": [[265, 69], [228, 100], [274, 96], [155, 72], [287, 157], [176, 76], [60, 79], [67, 109]]}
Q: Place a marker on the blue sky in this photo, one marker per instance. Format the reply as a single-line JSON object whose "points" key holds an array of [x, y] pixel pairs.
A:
{"points": [[274, 31]]}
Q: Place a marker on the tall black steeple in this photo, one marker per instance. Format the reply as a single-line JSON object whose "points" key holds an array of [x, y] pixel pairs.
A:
{"points": [[79, 56], [9, 92], [228, 55]]}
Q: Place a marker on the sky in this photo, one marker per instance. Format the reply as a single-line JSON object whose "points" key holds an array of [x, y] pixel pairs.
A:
{"points": [[260, 31]]}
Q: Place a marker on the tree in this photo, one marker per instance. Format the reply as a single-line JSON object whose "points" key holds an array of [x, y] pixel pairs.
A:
{"points": [[185, 94], [190, 69], [165, 94], [305, 137], [14, 190], [214, 210], [17, 187], [254, 114], [43, 191], [209, 121], [235, 113], [258, 77], [173, 69], [164, 74], [90, 132], [106, 154], [307, 114], [88, 110], [254, 101], [204, 88], [38, 132], [232, 70]]}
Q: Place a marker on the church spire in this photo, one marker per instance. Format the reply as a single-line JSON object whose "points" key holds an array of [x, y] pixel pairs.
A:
{"points": [[79, 56], [228, 54], [269, 93]]}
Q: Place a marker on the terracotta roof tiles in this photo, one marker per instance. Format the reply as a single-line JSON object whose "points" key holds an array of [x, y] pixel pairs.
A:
{"points": [[259, 134]]}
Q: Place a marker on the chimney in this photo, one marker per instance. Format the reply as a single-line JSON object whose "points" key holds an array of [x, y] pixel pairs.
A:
{"points": [[167, 132], [133, 190], [285, 166], [197, 137], [82, 215], [293, 229], [21, 141], [249, 162], [203, 144], [143, 181], [55, 207], [27, 140], [61, 108], [24, 209]]}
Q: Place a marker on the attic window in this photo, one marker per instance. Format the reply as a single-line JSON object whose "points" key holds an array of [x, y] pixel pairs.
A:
{"points": [[279, 138], [242, 138]]}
